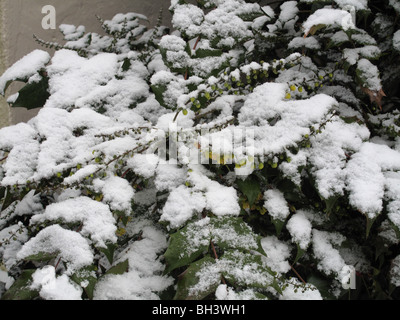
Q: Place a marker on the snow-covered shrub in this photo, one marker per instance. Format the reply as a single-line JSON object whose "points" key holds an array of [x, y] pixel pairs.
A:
{"points": [[252, 153]]}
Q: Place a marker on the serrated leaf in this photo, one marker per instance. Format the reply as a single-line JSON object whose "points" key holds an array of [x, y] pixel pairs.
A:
{"points": [[190, 278], [126, 64], [370, 222], [189, 243], [250, 16], [248, 270], [233, 233], [33, 95], [42, 256], [278, 224], [179, 253], [86, 275], [2, 192], [158, 91], [109, 252], [330, 204], [350, 120], [120, 268], [8, 200], [322, 285], [204, 53], [314, 29], [299, 254], [20, 289], [250, 188]]}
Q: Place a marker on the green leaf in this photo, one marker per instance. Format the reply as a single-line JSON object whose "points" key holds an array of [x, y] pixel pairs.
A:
{"points": [[120, 268], [330, 204], [109, 252], [322, 285], [189, 243], [250, 16], [42, 256], [8, 200], [234, 233], [300, 253], [315, 28], [204, 53], [86, 274], [33, 95], [256, 274], [126, 64], [179, 252], [158, 91], [190, 278], [2, 192], [250, 188], [370, 222], [20, 289], [278, 225], [350, 120]]}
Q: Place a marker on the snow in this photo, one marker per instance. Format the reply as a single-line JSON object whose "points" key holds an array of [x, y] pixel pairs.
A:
{"points": [[392, 193], [97, 220], [268, 103], [239, 265], [73, 77], [182, 203], [366, 179], [11, 241], [188, 18], [396, 40], [395, 272], [220, 199], [117, 193], [395, 5], [224, 292], [300, 229], [143, 280], [328, 155], [71, 32], [276, 205], [329, 17], [169, 176], [356, 4], [25, 68], [296, 291], [330, 260], [232, 233], [309, 43], [353, 56], [72, 248], [51, 287], [371, 74], [278, 253], [289, 11], [144, 164]]}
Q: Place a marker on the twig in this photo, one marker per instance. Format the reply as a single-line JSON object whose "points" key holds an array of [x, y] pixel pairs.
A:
{"points": [[297, 274], [125, 173], [58, 262]]}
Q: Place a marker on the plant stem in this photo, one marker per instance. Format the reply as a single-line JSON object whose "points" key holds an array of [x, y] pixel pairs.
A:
{"points": [[298, 275]]}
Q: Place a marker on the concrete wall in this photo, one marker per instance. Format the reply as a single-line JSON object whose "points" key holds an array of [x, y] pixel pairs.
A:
{"points": [[23, 18]]}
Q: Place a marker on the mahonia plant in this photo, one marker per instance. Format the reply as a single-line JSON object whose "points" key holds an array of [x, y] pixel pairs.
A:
{"points": [[253, 152]]}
